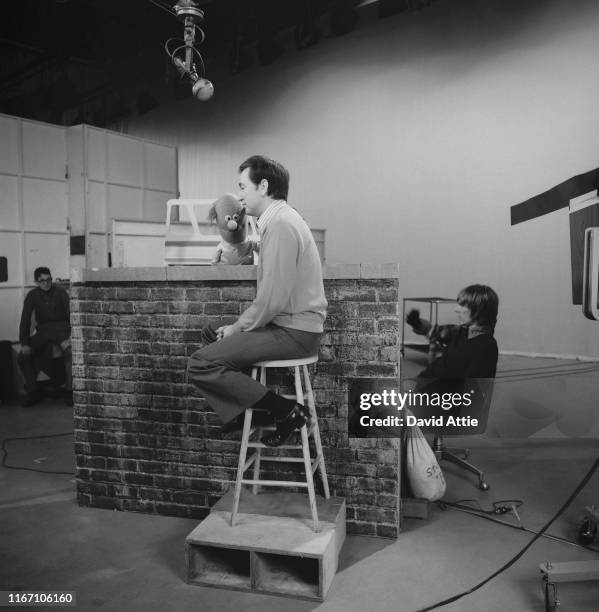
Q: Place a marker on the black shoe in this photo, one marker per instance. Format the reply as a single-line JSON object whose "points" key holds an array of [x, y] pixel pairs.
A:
{"points": [[31, 399], [296, 419], [68, 398], [260, 418]]}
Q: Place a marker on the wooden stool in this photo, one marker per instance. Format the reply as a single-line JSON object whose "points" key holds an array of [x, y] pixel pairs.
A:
{"points": [[310, 465]]}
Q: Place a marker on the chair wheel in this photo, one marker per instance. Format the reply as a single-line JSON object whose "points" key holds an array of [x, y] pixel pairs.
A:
{"points": [[483, 486], [587, 530]]}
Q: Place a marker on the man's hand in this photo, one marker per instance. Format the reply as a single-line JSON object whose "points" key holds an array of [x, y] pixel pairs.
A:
{"points": [[65, 344], [26, 350], [224, 332]]}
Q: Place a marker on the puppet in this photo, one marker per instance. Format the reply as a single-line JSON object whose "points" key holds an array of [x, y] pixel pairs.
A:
{"points": [[235, 247]]}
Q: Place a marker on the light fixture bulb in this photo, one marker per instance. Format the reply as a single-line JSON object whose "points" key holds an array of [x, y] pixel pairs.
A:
{"points": [[202, 89]]}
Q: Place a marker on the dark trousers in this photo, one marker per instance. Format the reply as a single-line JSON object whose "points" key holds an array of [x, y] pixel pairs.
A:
{"points": [[30, 367], [217, 369]]}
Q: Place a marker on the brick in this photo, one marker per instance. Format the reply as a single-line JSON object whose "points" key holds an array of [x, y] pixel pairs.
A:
{"points": [[117, 307], [101, 346], [135, 320], [376, 515], [221, 308], [170, 294], [238, 293], [387, 531], [388, 294], [202, 295], [380, 309], [151, 307], [87, 306], [388, 325], [387, 500], [357, 293], [164, 348], [186, 307], [376, 369], [139, 479], [360, 528], [132, 293]]}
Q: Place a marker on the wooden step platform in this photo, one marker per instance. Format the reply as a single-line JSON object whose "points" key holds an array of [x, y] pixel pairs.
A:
{"points": [[271, 549]]}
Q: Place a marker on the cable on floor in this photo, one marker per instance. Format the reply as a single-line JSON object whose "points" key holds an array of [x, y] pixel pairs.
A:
{"points": [[502, 509], [513, 560], [14, 467]]}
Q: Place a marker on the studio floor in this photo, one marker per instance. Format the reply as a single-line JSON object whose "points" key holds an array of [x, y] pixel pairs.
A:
{"points": [[541, 442]]}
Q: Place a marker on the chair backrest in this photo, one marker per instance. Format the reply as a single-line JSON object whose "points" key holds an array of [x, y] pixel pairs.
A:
{"points": [[482, 394]]}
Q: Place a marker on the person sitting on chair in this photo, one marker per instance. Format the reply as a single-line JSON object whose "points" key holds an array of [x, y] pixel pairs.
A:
{"points": [[50, 303], [469, 349]]}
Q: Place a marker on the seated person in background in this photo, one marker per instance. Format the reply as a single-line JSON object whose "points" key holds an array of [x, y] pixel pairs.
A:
{"points": [[470, 349], [50, 303]]}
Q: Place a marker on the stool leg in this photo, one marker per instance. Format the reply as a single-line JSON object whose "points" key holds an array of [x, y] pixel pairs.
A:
{"points": [[299, 397], [316, 433], [309, 478], [258, 451], [245, 438]]}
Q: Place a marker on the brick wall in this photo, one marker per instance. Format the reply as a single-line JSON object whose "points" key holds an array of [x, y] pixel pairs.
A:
{"points": [[146, 441]]}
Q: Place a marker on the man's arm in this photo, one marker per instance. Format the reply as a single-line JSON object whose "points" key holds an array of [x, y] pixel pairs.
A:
{"points": [[279, 252], [64, 298], [25, 325]]}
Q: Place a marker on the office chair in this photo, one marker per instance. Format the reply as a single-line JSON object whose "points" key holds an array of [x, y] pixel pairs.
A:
{"points": [[484, 391]]}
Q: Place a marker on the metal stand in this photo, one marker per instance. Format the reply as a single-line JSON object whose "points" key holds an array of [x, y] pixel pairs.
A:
{"points": [[571, 571]]}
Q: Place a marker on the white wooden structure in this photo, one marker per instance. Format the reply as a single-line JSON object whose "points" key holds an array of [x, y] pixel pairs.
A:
{"points": [[60, 189]]}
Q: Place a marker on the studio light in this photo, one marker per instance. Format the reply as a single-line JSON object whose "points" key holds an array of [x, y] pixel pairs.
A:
{"points": [[186, 57]]}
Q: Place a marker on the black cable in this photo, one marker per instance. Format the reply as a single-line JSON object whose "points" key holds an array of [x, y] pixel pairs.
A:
{"points": [[501, 506], [163, 7], [513, 560], [14, 467], [443, 505]]}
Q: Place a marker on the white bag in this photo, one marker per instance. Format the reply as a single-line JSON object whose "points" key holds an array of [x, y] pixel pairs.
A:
{"points": [[424, 474]]}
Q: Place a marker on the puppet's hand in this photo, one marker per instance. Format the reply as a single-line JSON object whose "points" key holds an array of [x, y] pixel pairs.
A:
{"points": [[413, 318], [420, 326]]}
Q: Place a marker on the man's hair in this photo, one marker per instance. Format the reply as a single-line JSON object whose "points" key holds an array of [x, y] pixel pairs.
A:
{"points": [[275, 173], [482, 302], [39, 271]]}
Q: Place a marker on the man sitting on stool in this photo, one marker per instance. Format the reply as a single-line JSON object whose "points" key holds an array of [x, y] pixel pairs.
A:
{"points": [[285, 320], [50, 303]]}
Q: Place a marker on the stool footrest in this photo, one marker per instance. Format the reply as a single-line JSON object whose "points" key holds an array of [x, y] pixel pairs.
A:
{"points": [[285, 446], [276, 483], [282, 459]]}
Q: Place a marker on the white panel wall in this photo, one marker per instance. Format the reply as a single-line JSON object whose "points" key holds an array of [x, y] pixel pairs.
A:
{"points": [[125, 160], [9, 197], [46, 250], [10, 314], [124, 178], [57, 182], [33, 210], [45, 205], [10, 151]]}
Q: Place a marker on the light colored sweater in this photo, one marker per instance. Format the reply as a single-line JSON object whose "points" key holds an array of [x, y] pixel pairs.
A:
{"points": [[290, 290]]}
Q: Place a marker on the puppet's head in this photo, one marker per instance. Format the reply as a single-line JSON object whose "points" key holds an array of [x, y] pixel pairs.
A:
{"points": [[229, 215]]}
